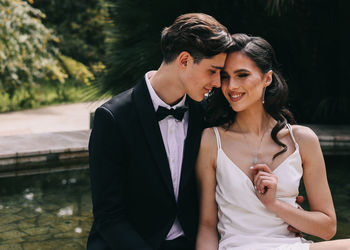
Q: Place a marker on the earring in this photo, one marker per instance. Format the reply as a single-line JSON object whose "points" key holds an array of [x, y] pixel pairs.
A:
{"points": [[263, 97]]}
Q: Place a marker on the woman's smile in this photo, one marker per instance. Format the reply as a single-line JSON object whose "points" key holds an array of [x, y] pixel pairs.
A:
{"points": [[235, 97]]}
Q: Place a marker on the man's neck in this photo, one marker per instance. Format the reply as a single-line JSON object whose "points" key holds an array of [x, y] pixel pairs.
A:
{"points": [[167, 85]]}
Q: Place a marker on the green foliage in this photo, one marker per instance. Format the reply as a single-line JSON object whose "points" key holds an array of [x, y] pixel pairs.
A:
{"points": [[80, 25], [56, 72], [133, 44], [26, 47], [77, 70], [29, 96]]}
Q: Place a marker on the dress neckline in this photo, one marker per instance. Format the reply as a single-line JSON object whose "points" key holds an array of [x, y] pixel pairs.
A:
{"points": [[218, 139], [243, 173]]}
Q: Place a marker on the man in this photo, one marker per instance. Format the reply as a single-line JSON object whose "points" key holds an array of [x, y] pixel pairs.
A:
{"points": [[145, 142]]}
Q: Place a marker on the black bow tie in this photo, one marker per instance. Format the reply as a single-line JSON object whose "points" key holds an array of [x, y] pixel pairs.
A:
{"points": [[177, 113]]}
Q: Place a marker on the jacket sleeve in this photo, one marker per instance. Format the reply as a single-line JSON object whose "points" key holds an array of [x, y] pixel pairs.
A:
{"points": [[106, 153]]}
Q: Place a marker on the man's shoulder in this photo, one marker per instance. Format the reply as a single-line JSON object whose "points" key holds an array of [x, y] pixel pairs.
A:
{"points": [[124, 100], [119, 101], [118, 106]]}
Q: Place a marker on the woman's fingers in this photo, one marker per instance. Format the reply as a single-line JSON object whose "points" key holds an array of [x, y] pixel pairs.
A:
{"points": [[264, 180], [260, 167], [259, 177], [260, 173], [264, 183]]}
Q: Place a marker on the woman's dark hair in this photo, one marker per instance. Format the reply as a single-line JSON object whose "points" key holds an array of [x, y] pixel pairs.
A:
{"points": [[219, 112], [199, 34]]}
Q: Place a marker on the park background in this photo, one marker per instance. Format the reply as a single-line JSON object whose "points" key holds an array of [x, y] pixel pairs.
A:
{"points": [[54, 52], [105, 46]]}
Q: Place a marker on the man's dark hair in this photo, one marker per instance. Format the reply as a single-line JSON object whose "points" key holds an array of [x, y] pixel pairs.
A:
{"points": [[199, 34]]}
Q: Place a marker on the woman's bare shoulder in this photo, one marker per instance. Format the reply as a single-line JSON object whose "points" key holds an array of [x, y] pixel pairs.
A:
{"points": [[307, 140], [208, 138], [304, 134]]}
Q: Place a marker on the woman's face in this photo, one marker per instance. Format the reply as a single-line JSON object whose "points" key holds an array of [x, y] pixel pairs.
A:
{"points": [[242, 82]]}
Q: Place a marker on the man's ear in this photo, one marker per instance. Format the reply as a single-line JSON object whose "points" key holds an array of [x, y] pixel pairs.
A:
{"points": [[268, 78], [184, 59]]}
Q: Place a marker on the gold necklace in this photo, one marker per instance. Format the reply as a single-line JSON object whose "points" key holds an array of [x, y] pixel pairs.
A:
{"points": [[255, 154]]}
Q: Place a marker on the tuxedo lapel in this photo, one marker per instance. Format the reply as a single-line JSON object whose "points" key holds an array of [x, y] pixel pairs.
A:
{"points": [[191, 143], [149, 123]]}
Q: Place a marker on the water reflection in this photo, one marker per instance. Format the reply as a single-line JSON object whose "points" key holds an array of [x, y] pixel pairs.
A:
{"points": [[65, 211], [48, 211], [338, 177], [53, 211]]}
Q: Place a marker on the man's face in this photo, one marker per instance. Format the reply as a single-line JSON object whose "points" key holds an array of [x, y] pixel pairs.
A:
{"points": [[200, 78]]}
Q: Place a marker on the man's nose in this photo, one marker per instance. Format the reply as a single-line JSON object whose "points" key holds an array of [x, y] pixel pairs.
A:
{"points": [[217, 81]]}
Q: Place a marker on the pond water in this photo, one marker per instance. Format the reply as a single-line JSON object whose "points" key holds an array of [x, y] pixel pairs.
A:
{"points": [[53, 211], [338, 175], [46, 211]]}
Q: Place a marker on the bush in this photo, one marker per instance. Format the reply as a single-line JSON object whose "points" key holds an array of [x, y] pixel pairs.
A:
{"points": [[80, 25], [77, 70], [26, 46], [34, 96]]}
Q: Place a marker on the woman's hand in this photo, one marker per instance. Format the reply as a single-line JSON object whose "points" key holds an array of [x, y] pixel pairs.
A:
{"points": [[265, 183]]}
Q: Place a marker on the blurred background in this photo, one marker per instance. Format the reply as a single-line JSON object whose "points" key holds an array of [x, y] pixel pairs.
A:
{"points": [[55, 51]]}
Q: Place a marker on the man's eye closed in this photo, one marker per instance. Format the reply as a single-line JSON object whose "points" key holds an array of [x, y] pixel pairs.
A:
{"points": [[242, 75]]}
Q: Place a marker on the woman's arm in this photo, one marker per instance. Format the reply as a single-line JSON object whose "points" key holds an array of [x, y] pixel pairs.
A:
{"points": [[207, 238], [321, 219]]}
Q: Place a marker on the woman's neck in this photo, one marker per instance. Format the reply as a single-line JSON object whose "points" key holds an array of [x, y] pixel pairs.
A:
{"points": [[253, 122]]}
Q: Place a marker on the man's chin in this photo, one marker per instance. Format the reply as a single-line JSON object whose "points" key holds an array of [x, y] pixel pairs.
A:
{"points": [[200, 98]]}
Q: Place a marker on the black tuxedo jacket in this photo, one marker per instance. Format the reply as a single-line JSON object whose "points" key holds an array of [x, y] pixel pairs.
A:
{"points": [[134, 204]]}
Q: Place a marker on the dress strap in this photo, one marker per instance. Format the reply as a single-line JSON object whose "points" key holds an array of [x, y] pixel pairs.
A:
{"points": [[218, 141], [291, 134]]}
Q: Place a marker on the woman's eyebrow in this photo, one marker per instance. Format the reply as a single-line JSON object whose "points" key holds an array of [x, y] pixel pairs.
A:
{"points": [[240, 70]]}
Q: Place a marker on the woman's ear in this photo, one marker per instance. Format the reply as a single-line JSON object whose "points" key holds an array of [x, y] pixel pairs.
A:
{"points": [[268, 78]]}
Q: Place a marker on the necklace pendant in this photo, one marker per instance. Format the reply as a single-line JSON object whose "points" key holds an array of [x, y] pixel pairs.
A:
{"points": [[255, 160]]}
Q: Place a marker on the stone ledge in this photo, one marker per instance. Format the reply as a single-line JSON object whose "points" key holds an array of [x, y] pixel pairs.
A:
{"points": [[22, 154], [334, 139]]}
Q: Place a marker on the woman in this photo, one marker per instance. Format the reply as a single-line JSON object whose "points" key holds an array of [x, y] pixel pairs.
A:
{"points": [[250, 165]]}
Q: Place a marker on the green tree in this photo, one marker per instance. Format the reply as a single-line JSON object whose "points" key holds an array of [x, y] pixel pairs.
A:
{"points": [[80, 26], [27, 52]]}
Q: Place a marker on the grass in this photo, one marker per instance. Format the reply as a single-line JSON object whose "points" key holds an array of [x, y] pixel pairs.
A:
{"points": [[41, 95]]}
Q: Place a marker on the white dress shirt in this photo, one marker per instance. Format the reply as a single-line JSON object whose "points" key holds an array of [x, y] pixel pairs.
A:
{"points": [[174, 134]]}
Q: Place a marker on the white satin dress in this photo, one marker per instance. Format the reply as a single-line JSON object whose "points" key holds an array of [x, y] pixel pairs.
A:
{"points": [[244, 223]]}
